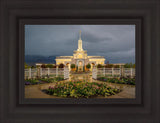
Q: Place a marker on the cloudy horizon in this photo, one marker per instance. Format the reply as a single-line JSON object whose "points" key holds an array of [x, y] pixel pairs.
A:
{"points": [[115, 42]]}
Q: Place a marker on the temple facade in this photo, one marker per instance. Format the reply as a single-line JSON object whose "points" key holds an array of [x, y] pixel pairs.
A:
{"points": [[80, 58]]}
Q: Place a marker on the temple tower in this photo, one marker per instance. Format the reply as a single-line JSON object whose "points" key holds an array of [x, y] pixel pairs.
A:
{"points": [[80, 42]]}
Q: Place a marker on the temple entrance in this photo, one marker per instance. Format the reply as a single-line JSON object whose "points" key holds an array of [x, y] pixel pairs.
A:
{"points": [[80, 66]]}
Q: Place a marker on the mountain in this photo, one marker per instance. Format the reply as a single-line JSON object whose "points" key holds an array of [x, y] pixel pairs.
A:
{"points": [[32, 59]]}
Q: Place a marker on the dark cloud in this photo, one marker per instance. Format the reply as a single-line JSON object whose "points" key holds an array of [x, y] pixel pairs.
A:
{"points": [[92, 38], [115, 42]]}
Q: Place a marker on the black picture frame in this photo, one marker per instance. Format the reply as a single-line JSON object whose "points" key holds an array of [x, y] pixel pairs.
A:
{"points": [[144, 13], [135, 21]]}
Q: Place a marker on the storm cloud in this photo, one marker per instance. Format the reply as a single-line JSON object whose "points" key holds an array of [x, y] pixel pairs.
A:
{"points": [[115, 42]]}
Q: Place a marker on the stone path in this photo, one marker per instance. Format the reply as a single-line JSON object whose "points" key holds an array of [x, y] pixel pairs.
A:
{"points": [[35, 91]]}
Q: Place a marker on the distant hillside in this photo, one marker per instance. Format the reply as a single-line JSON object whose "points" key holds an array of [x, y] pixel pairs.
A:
{"points": [[32, 59]]}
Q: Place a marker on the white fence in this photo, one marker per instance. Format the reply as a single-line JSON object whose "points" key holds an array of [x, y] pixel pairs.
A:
{"points": [[44, 72], [116, 72], [94, 73]]}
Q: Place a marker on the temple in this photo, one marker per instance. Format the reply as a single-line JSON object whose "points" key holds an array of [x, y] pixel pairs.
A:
{"points": [[80, 58]]}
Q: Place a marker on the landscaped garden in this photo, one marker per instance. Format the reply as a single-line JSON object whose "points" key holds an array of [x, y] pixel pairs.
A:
{"points": [[43, 80], [81, 89], [122, 80]]}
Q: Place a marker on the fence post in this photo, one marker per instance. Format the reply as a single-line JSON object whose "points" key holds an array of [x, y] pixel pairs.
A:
{"points": [[56, 71], [40, 72], [112, 72], [29, 70], [37, 72], [94, 73], [104, 71], [131, 72], [66, 73], [48, 71], [120, 72]]}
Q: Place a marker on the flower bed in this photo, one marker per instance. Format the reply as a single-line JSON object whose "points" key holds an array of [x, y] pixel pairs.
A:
{"points": [[81, 89], [50, 80], [41, 81], [31, 82], [130, 81]]}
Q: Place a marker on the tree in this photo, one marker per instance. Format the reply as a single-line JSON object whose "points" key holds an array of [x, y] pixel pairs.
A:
{"points": [[73, 66], [26, 66], [33, 67], [88, 66], [99, 66], [116, 66], [134, 65], [54, 66], [129, 65], [49, 66], [61, 65], [109, 66], [43, 66]]}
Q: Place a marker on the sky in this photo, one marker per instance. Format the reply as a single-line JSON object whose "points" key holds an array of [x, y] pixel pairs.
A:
{"points": [[115, 42]]}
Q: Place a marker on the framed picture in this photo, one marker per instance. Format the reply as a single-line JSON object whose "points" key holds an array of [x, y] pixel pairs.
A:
{"points": [[80, 75], [80, 61]]}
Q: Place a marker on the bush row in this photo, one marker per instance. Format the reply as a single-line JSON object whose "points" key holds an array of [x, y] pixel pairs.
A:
{"points": [[42, 80], [130, 81]]}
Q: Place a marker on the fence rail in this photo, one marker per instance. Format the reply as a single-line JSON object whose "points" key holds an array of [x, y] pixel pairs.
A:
{"points": [[116, 72], [43, 72], [64, 72]]}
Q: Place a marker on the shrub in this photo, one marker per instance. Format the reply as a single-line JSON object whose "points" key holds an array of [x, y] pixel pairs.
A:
{"points": [[88, 66], [73, 66], [26, 66], [49, 66], [43, 66], [134, 66], [27, 83], [109, 66], [33, 67], [116, 66], [61, 65], [99, 66], [129, 65], [50, 80], [31, 81], [43, 80], [123, 80]]}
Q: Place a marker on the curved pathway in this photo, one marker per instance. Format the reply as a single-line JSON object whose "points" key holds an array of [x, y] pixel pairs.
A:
{"points": [[35, 91]]}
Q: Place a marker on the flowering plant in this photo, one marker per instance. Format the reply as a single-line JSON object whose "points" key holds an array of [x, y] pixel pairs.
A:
{"points": [[122, 80], [50, 80], [42, 80], [81, 89], [31, 82]]}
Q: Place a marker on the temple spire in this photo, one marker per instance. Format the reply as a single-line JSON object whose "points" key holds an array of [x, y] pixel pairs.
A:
{"points": [[80, 35], [80, 42]]}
